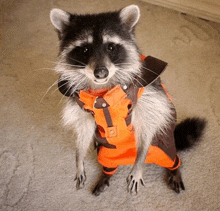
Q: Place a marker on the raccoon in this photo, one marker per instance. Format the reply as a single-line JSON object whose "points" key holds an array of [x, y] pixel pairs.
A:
{"points": [[114, 94]]}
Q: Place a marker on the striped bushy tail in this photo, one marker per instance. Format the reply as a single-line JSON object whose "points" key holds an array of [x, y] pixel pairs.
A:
{"points": [[188, 132]]}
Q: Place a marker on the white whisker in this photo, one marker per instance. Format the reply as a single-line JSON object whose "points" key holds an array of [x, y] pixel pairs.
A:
{"points": [[48, 90], [64, 94], [71, 65], [59, 86], [141, 79], [118, 64], [149, 70], [76, 60], [44, 68]]}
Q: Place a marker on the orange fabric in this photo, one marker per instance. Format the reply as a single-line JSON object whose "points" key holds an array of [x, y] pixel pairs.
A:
{"points": [[123, 137], [166, 92], [177, 166], [142, 57], [111, 172], [114, 157], [118, 101]]}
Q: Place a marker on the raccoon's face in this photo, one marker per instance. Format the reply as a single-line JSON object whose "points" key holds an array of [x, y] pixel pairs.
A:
{"points": [[99, 50]]}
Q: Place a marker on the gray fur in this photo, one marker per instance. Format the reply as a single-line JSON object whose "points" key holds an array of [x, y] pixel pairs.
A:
{"points": [[84, 126], [152, 113]]}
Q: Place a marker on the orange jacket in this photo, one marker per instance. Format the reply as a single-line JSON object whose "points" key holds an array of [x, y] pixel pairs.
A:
{"points": [[112, 110]]}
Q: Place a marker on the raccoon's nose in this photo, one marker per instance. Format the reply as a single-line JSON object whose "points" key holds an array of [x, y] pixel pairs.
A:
{"points": [[101, 72]]}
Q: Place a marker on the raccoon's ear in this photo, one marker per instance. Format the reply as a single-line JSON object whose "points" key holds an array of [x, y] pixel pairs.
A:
{"points": [[130, 16], [59, 19]]}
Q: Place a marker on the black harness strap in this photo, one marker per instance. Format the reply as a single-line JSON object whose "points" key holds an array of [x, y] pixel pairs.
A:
{"points": [[152, 68], [103, 142]]}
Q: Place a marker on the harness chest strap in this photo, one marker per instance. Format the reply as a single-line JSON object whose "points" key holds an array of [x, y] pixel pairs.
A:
{"points": [[113, 97]]}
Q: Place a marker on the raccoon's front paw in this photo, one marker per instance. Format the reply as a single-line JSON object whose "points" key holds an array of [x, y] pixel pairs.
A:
{"points": [[80, 179], [174, 180], [134, 180]]}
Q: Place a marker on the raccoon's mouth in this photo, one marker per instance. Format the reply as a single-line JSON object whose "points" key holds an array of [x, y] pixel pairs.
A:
{"points": [[101, 81]]}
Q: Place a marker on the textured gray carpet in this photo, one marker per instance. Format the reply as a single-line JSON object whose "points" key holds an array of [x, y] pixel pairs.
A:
{"points": [[37, 157]]}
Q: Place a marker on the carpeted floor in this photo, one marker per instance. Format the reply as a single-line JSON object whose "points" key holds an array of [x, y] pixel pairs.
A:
{"points": [[37, 156]]}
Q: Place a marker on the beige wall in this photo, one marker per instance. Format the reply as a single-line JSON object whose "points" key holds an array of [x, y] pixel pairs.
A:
{"points": [[207, 9]]}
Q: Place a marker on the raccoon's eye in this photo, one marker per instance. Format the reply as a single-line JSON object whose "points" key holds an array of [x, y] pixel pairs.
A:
{"points": [[85, 49], [82, 50], [111, 47]]}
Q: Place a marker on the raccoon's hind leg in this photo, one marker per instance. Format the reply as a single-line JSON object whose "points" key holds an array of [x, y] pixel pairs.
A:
{"points": [[101, 185], [103, 181], [174, 180]]}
